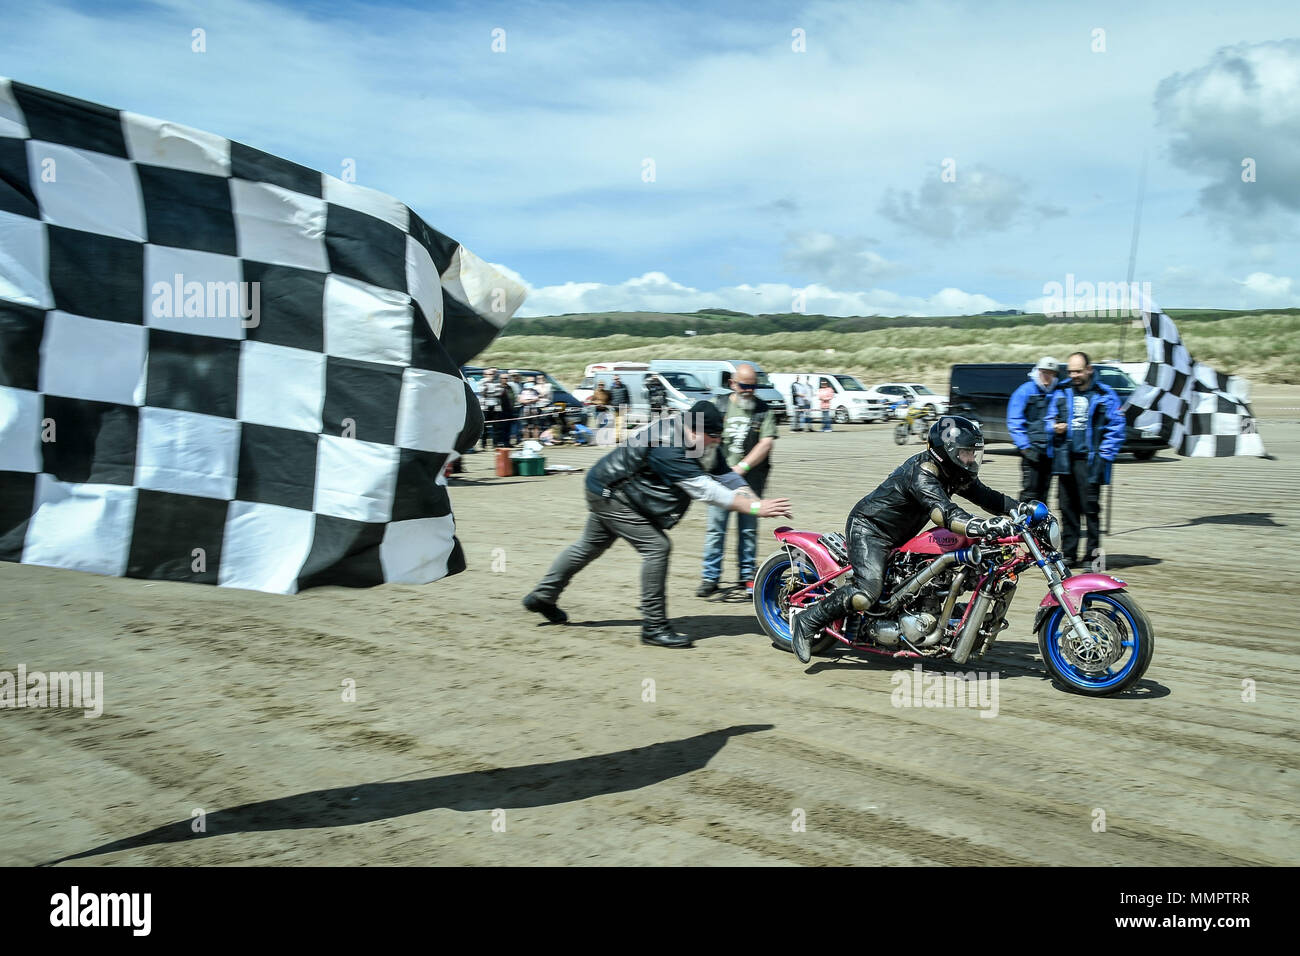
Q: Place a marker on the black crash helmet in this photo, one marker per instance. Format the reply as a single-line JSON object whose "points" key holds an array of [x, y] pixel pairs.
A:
{"points": [[957, 444]]}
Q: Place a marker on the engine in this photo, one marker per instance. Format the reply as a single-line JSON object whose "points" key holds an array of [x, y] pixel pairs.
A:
{"points": [[921, 619]]}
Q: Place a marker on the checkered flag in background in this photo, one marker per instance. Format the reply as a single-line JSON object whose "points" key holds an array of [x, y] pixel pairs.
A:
{"points": [[219, 366], [1204, 412]]}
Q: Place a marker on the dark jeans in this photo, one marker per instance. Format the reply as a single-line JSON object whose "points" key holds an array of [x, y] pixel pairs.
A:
{"points": [[1035, 478], [501, 430], [867, 554], [1079, 497], [608, 519]]}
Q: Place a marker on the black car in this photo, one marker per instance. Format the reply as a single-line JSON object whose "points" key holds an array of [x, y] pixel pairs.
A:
{"points": [[982, 392], [575, 413]]}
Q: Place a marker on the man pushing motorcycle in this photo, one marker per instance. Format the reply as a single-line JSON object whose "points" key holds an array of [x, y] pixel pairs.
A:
{"points": [[919, 490]]}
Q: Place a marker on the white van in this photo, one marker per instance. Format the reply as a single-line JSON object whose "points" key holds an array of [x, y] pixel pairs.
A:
{"points": [[588, 385], [716, 374], [681, 391], [850, 404]]}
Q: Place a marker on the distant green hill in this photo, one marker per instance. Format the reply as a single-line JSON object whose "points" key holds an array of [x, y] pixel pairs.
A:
{"points": [[1263, 345]]}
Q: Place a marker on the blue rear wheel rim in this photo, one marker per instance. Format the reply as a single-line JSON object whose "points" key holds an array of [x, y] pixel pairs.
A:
{"points": [[769, 588]]}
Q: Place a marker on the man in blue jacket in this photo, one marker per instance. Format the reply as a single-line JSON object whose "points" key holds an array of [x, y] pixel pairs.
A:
{"points": [[1026, 421], [1087, 427]]}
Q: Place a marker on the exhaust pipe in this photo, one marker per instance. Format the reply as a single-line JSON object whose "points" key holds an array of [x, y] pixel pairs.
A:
{"points": [[961, 652], [945, 615], [969, 556]]}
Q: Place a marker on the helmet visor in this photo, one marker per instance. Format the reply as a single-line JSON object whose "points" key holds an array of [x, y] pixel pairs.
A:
{"points": [[969, 457]]}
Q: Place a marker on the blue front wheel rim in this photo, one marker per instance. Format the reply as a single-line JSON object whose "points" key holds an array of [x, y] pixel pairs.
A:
{"points": [[1057, 629]]}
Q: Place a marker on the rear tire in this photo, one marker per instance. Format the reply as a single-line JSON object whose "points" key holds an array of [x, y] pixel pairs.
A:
{"points": [[772, 585], [1112, 615], [900, 434], [1144, 454]]}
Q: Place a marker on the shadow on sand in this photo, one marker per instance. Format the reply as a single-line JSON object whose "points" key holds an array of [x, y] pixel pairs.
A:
{"points": [[533, 785]]}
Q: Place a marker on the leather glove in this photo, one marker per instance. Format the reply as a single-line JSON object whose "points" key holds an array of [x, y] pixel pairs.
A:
{"points": [[990, 528], [1032, 454]]}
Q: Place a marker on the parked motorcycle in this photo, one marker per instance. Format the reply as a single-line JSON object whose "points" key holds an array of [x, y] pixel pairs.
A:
{"points": [[916, 421], [1093, 636]]}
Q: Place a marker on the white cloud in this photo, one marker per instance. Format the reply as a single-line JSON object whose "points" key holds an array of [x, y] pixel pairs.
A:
{"points": [[1270, 289], [972, 203], [1236, 121], [657, 292], [840, 260], [1181, 287]]}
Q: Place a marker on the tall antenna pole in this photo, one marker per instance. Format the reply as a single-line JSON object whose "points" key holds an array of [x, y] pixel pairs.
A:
{"points": [[1127, 320]]}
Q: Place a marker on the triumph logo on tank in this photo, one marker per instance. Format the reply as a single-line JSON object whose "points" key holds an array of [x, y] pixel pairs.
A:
{"points": [[79, 690], [916, 688]]}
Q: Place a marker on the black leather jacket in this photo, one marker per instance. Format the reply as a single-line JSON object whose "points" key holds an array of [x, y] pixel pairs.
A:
{"points": [[642, 473], [918, 493]]}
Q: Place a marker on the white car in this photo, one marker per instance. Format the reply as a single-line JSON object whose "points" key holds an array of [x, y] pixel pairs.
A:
{"points": [[909, 393], [849, 404]]}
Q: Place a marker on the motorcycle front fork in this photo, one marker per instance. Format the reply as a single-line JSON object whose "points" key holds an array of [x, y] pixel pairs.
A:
{"points": [[1055, 571]]}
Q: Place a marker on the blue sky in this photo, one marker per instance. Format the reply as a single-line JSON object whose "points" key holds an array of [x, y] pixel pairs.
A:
{"points": [[776, 170]]}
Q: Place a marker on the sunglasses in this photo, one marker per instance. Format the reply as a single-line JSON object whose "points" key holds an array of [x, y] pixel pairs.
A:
{"points": [[748, 388]]}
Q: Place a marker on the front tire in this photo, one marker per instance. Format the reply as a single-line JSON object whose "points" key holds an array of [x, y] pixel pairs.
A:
{"points": [[1126, 644], [841, 416], [772, 586], [900, 434]]}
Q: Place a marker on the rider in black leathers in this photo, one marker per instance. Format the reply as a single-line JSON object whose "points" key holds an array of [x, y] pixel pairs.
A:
{"points": [[918, 491]]}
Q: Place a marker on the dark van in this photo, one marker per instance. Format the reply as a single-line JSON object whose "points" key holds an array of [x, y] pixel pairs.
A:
{"points": [[982, 392]]}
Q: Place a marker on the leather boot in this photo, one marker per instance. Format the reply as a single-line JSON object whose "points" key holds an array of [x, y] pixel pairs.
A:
{"points": [[664, 636], [806, 625]]}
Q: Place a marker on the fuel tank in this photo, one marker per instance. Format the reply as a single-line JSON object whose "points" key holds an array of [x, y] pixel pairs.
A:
{"points": [[937, 541]]}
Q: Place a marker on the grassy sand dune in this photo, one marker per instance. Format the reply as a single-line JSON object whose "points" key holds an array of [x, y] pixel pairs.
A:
{"points": [[1264, 347]]}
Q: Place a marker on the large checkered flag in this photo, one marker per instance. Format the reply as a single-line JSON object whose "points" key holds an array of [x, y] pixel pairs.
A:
{"points": [[1204, 412], [218, 366]]}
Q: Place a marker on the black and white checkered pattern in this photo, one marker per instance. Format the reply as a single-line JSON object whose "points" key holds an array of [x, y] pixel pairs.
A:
{"points": [[1204, 412], [147, 429]]}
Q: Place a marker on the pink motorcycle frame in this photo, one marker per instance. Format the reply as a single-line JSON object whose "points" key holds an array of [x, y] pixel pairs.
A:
{"points": [[1076, 587]]}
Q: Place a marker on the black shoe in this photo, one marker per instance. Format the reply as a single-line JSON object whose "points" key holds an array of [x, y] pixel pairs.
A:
{"points": [[706, 588], [548, 610], [664, 636]]}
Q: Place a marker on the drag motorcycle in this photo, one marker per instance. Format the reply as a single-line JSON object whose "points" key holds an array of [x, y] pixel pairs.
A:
{"points": [[1093, 636]]}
